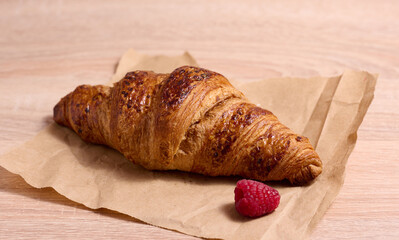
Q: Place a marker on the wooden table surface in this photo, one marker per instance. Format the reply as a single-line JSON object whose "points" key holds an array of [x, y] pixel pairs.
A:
{"points": [[49, 47]]}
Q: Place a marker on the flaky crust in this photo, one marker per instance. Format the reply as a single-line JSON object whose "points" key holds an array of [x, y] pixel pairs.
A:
{"points": [[191, 120]]}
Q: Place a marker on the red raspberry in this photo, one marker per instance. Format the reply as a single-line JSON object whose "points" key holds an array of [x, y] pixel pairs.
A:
{"points": [[254, 199]]}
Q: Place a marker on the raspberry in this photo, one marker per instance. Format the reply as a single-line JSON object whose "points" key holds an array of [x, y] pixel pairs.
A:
{"points": [[254, 199]]}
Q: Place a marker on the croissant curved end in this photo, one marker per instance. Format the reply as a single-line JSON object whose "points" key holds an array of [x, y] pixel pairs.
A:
{"points": [[307, 173], [59, 113]]}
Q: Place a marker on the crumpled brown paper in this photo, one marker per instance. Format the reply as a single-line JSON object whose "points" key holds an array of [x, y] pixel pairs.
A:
{"points": [[327, 110]]}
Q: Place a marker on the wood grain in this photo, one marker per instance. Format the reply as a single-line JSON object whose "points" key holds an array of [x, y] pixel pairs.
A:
{"points": [[49, 47]]}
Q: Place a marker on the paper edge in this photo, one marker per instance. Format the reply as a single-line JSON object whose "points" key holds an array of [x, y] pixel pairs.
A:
{"points": [[365, 102]]}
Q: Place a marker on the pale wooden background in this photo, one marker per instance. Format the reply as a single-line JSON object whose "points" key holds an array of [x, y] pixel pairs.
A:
{"points": [[49, 47]]}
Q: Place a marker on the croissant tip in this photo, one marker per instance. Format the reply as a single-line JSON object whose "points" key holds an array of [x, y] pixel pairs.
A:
{"points": [[314, 170], [307, 174], [59, 113]]}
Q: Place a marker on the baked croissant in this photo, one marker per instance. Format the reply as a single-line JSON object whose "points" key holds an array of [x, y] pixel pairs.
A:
{"points": [[191, 120]]}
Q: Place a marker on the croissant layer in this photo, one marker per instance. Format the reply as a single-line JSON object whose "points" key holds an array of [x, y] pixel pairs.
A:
{"points": [[191, 120]]}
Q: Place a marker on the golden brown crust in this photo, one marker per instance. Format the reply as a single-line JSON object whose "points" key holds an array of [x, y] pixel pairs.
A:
{"points": [[191, 120]]}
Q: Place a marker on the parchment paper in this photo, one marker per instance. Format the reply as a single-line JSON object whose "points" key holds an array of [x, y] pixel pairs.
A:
{"points": [[327, 110]]}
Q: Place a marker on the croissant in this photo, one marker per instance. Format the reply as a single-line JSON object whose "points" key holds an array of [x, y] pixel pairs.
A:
{"points": [[191, 120]]}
